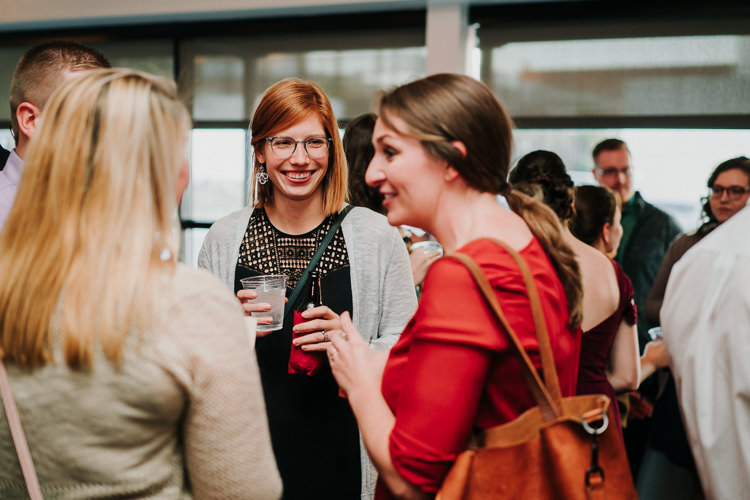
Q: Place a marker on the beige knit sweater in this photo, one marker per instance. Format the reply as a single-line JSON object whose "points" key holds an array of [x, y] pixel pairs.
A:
{"points": [[183, 417]]}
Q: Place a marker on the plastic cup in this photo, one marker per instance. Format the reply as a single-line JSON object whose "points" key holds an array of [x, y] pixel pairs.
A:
{"points": [[428, 245], [655, 332], [271, 288]]}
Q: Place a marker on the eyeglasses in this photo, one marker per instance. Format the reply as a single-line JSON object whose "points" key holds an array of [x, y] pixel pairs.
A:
{"points": [[613, 172], [284, 147], [733, 192]]}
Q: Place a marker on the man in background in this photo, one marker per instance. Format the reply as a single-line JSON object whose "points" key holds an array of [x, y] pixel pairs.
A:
{"points": [[647, 234], [39, 72], [705, 318]]}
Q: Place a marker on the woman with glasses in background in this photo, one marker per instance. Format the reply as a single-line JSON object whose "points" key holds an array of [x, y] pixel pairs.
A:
{"points": [[301, 183], [668, 462], [729, 190]]}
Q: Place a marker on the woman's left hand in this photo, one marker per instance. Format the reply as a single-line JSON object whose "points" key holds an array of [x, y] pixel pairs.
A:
{"points": [[353, 363], [315, 331]]}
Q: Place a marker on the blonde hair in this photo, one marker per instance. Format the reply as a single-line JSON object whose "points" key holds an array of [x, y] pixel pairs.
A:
{"points": [[447, 107], [81, 250], [283, 105]]}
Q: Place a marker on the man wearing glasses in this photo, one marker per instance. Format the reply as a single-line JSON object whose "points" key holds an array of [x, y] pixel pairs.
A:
{"points": [[647, 234]]}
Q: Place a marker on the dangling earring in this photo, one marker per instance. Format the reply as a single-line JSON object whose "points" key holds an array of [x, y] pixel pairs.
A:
{"points": [[262, 176]]}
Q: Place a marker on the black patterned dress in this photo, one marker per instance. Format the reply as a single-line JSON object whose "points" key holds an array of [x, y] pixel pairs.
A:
{"points": [[313, 430]]}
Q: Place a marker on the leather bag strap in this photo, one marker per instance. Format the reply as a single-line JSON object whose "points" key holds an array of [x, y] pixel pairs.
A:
{"points": [[316, 257], [540, 324], [19, 438], [546, 394]]}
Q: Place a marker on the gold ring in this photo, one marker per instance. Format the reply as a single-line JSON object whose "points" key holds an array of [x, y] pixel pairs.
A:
{"points": [[325, 336]]}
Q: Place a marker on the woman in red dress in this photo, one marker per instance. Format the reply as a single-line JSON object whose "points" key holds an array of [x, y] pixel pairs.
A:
{"points": [[442, 154]]}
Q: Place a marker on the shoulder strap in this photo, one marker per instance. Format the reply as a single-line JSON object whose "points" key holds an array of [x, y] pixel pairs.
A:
{"points": [[316, 257], [19, 439], [547, 395], [540, 323]]}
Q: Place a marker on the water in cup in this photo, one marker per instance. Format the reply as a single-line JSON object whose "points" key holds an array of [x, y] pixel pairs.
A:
{"points": [[271, 288], [428, 245]]}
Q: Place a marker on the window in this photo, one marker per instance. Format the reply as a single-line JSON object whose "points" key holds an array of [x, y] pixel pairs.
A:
{"points": [[230, 74], [659, 94], [6, 139], [152, 56], [690, 75], [218, 183]]}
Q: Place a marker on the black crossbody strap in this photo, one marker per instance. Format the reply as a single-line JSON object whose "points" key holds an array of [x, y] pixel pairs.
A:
{"points": [[315, 258]]}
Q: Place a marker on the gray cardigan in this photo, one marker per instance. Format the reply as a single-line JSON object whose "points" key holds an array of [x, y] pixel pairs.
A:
{"points": [[383, 297]]}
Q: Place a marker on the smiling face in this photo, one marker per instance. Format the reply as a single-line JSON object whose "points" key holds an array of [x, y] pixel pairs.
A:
{"points": [[722, 206], [298, 177], [409, 179]]}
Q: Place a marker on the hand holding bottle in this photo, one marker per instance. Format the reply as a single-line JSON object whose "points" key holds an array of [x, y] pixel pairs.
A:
{"points": [[312, 320], [311, 335]]}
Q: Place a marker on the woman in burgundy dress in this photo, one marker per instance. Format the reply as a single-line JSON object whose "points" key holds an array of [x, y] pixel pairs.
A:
{"points": [[597, 223], [608, 360]]}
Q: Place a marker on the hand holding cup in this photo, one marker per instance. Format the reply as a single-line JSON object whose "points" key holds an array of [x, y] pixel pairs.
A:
{"points": [[263, 297]]}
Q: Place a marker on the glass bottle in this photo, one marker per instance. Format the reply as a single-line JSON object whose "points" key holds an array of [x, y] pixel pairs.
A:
{"points": [[313, 297], [300, 361]]}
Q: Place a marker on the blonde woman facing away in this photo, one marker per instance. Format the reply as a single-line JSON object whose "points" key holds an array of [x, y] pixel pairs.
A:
{"points": [[133, 374]]}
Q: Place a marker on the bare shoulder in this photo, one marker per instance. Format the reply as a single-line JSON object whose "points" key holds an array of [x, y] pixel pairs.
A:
{"points": [[601, 293], [593, 259]]}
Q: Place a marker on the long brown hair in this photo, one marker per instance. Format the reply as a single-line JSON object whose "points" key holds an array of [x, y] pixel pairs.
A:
{"points": [[83, 247], [595, 207], [447, 107], [284, 104]]}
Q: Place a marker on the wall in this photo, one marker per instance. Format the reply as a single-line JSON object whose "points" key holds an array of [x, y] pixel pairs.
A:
{"points": [[18, 15]]}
